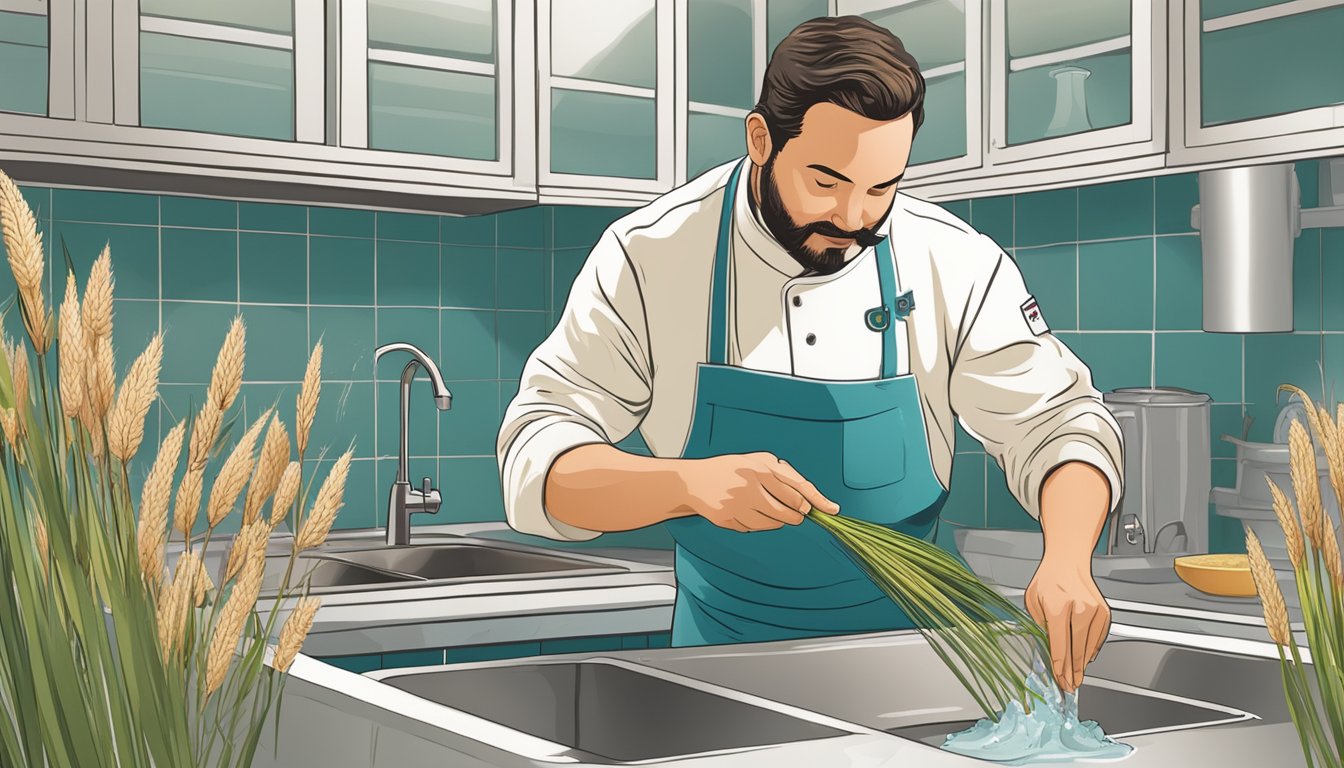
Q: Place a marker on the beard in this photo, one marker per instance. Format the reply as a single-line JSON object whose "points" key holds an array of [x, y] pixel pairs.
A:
{"points": [[793, 236]]}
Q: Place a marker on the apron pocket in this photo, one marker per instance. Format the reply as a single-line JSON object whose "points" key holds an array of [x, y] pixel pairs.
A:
{"points": [[874, 450]]}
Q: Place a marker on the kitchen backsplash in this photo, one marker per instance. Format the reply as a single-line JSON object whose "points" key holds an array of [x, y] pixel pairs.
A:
{"points": [[1117, 270], [1115, 267]]}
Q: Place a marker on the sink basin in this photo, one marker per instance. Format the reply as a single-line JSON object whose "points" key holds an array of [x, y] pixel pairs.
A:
{"points": [[896, 683], [460, 561], [325, 573], [1122, 710], [612, 710]]}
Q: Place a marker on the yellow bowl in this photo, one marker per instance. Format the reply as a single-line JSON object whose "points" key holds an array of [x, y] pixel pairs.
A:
{"points": [[1224, 575]]}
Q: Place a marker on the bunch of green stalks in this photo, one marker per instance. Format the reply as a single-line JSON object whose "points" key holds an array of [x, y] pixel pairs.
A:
{"points": [[108, 657], [1313, 549], [990, 644]]}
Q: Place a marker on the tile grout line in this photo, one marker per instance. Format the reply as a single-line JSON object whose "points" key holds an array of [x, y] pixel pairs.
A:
{"points": [[1152, 369]]}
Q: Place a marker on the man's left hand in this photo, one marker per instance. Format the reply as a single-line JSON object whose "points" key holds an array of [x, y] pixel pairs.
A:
{"points": [[1064, 599]]}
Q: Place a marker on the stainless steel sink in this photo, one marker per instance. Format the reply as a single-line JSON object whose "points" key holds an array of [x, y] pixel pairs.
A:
{"points": [[1123, 711], [462, 561], [325, 573], [614, 710], [896, 683]]}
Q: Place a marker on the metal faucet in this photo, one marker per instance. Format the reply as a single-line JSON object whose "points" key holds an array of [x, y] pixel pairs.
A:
{"points": [[405, 500]]}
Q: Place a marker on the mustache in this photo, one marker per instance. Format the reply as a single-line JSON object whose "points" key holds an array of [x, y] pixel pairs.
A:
{"points": [[865, 237]]}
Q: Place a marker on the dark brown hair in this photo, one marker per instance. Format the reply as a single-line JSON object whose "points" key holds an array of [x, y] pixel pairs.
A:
{"points": [[845, 60]]}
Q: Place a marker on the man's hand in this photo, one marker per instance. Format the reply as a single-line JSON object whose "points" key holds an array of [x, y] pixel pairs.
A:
{"points": [[1062, 596], [1065, 601], [750, 492]]}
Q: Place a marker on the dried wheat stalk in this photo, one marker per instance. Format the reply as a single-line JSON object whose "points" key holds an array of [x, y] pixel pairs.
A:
{"points": [[97, 315], [23, 244], [126, 422], [244, 544], [188, 501], [1306, 482], [152, 531], [285, 492], [306, 405], [1292, 533], [233, 475], [189, 580], [232, 620], [227, 377], [296, 629], [323, 513], [71, 351], [17, 355], [10, 424], [271, 464], [1267, 585], [203, 433]]}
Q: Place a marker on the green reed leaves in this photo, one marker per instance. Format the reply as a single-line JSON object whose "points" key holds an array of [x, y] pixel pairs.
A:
{"points": [[986, 641]]}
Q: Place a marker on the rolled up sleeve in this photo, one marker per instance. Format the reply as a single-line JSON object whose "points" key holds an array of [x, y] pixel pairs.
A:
{"points": [[1027, 397], [588, 382]]}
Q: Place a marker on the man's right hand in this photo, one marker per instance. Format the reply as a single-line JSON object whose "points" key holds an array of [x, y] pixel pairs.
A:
{"points": [[750, 492]]}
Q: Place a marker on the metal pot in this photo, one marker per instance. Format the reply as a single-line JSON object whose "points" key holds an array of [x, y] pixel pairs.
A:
{"points": [[1165, 508]]}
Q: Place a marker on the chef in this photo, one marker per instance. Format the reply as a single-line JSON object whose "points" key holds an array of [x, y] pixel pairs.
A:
{"points": [[789, 331]]}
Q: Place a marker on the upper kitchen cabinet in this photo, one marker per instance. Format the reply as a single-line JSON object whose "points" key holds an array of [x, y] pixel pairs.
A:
{"points": [[1076, 84], [243, 68], [36, 57], [728, 43], [605, 99], [1259, 79], [945, 37], [435, 78], [412, 104]]}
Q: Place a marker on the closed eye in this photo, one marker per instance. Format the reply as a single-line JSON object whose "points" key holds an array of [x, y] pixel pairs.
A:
{"points": [[826, 186]]}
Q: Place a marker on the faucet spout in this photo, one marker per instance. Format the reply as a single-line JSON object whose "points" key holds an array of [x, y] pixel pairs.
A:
{"points": [[443, 399], [404, 499]]}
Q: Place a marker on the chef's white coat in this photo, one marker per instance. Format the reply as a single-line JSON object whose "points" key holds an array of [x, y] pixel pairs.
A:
{"points": [[624, 353]]}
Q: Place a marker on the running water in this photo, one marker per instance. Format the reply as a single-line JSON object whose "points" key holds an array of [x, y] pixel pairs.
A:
{"points": [[1050, 733]]}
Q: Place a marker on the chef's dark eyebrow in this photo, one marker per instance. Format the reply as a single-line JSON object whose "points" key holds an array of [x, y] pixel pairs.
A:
{"points": [[842, 177]]}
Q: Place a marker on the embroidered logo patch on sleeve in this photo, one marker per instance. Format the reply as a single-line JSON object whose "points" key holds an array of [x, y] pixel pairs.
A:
{"points": [[1031, 312]]}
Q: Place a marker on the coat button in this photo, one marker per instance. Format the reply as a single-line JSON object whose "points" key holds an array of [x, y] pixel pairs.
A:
{"points": [[797, 301], [811, 339]]}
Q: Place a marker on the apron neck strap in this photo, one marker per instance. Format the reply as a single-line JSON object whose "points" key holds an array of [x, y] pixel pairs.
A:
{"points": [[718, 305]]}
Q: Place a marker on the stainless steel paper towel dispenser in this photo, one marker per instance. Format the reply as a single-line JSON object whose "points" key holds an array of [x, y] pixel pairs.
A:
{"points": [[1247, 220]]}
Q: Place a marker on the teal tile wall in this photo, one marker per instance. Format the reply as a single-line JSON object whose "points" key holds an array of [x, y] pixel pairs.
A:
{"points": [[1117, 269], [477, 293]]}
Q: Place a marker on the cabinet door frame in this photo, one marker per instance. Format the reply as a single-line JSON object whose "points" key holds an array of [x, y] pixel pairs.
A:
{"points": [[513, 88], [113, 87], [974, 67], [759, 58], [595, 187], [1294, 132], [64, 18], [1144, 134]]}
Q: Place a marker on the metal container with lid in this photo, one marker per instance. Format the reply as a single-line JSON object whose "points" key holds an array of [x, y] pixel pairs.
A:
{"points": [[1165, 507]]}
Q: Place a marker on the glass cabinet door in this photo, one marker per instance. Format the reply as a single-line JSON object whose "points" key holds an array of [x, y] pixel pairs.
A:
{"points": [[433, 85], [605, 93], [944, 36], [728, 46], [1259, 69], [24, 56], [226, 68], [1069, 76]]}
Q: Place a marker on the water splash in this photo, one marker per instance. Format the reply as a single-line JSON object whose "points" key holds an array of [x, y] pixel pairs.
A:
{"points": [[1050, 733]]}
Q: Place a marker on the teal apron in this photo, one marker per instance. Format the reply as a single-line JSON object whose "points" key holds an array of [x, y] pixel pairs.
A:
{"points": [[862, 443]]}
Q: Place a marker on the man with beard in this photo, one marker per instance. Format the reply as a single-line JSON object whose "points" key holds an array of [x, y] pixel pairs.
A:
{"points": [[789, 331]]}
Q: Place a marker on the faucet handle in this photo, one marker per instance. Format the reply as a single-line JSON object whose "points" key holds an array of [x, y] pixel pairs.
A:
{"points": [[426, 486]]}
